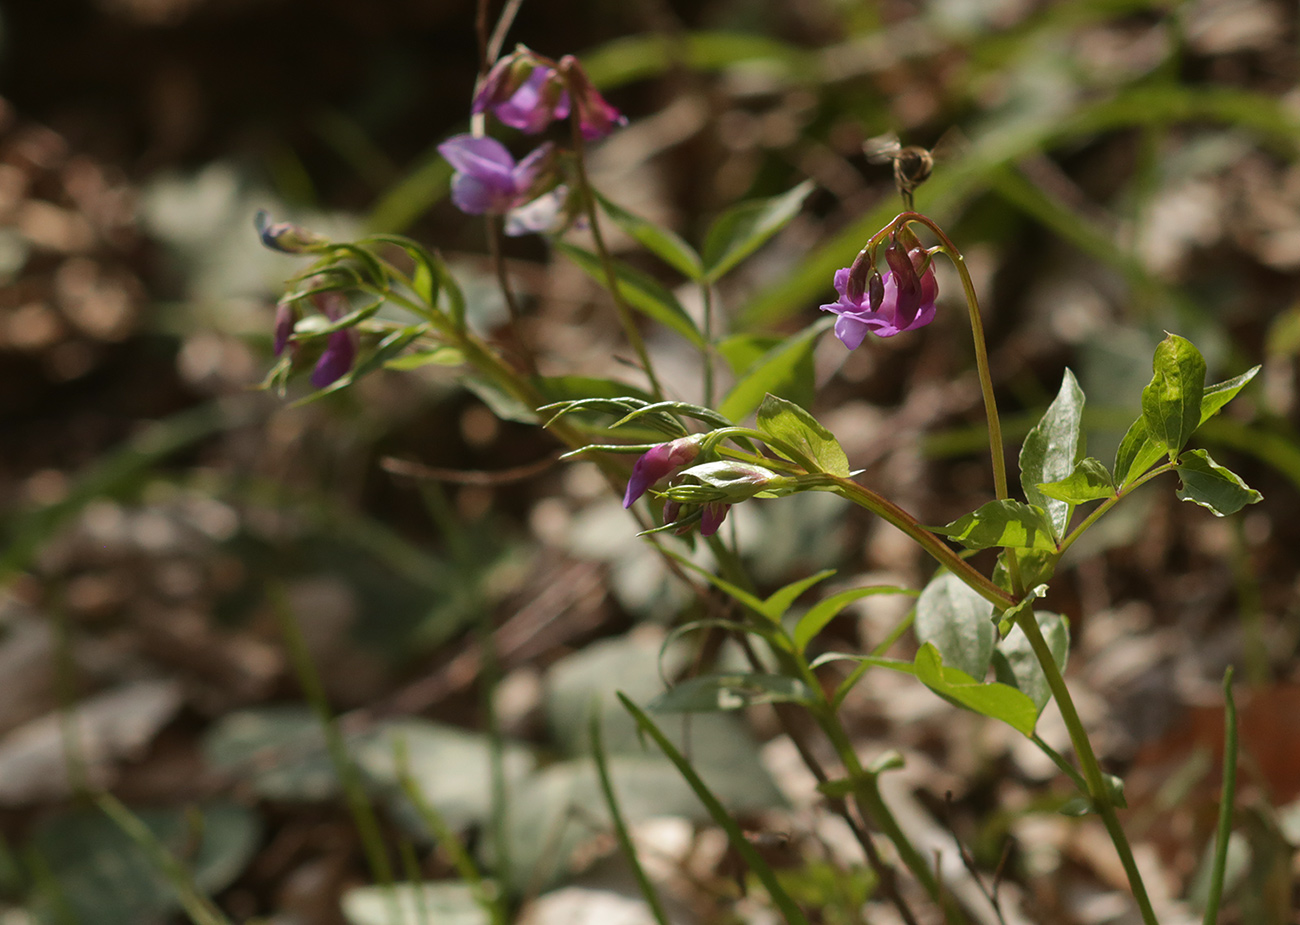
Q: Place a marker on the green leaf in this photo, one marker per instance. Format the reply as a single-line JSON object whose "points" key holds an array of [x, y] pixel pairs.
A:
{"points": [[791, 424], [427, 276], [667, 245], [823, 612], [441, 355], [1015, 664], [785, 370], [744, 228], [386, 351], [1171, 404], [1002, 523], [956, 620], [710, 693], [1089, 481], [779, 601], [995, 700], [1136, 454], [1051, 450], [1213, 487], [1219, 394], [640, 291]]}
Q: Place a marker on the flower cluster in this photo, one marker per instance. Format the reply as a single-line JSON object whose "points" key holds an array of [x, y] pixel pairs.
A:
{"points": [[528, 92], [903, 299], [699, 492], [340, 350]]}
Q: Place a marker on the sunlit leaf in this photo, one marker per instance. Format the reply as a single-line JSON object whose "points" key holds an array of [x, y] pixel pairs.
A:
{"points": [[1002, 523], [1089, 481], [1171, 404], [1051, 450], [954, 618], [1213, 487], [798, 429]]}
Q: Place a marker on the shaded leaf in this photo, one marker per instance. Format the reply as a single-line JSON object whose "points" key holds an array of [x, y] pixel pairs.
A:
{"points": [[956, 620], [1015, 664], [1002, 523], [791, 424], [1051, 450], [1213, 487], [744, 228], [1171, 404]]}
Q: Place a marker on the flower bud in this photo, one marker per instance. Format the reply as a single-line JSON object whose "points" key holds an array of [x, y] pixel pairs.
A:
{"points": [[596, 117], [909, 284], [286, 316], [659, 462], [712, 516], [286, 236]]}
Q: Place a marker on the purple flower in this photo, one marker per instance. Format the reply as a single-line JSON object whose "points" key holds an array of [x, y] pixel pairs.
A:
{"points": [[596, 117], [659, 462], [487, 179], [712, 516], [906, 301], [537, 102], [286, 316], [341, 346]]}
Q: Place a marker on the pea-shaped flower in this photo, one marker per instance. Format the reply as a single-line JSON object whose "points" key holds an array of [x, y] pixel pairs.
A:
{"points": [[906, 300], [659, 462], [487, 178]]}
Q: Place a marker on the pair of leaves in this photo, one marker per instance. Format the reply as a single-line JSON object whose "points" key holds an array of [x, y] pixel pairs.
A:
{"points": [[735, 234]]}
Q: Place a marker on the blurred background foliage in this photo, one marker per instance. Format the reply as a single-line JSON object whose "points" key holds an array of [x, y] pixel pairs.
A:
{"points": [[1111, 168]]}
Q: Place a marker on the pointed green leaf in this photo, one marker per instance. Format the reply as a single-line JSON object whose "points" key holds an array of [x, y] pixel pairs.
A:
{"points": [[787, 422], [779, 601], [640, 291], [1015, 664], [996, 700], [665, 244], [785, 370], [1219, 394], [711, 693], [823, 612], [1002, 523], [951, 616], [1089, 481], [1051, 450], [744, 228], [1136, 454], [1213, 487], [1171, 404]]}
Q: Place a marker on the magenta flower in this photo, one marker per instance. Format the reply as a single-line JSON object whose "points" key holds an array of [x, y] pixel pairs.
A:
{"points": [[659, 462], [286, 316], [711, 518], [527, 91], [531, 106], [341, 346], [487, 179], [906, 301]]}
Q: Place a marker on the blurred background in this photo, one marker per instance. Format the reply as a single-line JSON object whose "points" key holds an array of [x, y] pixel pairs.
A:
{"points": [[1111, 168]]}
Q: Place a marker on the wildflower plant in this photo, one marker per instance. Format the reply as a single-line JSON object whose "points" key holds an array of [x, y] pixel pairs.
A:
{"points": [[707, 458]]}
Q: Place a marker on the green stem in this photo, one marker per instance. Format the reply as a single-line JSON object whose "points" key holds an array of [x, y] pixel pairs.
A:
{"points": [[1102, 509], [1226, 800], [888, 510], [1097, 790], [706, 293], [625, 315]]}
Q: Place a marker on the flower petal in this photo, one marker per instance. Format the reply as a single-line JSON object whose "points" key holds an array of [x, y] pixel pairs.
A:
{"points": [[334, 363], [477, 156]]}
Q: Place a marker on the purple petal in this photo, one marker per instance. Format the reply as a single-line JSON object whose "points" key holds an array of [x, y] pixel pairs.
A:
{"points": [[535, 104], [334, 363], [711, 518], [480, 157], [475, 197], [286, 315], [524, 175], [851, 331]]}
